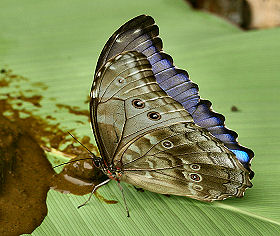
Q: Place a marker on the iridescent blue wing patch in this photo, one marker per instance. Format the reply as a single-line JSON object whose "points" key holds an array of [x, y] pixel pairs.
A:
{"points": [[141, 34], [214, 122]]}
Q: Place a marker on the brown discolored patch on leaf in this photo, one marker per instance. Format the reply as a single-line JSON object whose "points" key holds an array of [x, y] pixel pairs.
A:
{"points": [[50, 117], [47, 134], [26, 176], [4, 82], [25, 173], [25, 180], [34, 100], [234, 109], [40, 85], [74, 110], [7, 77]]}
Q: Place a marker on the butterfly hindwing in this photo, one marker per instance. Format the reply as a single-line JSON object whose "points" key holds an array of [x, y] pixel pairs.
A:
{"points": [[183, 159]]}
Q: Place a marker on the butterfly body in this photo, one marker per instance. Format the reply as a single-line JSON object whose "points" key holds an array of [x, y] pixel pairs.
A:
{"points": [[152, 128]]}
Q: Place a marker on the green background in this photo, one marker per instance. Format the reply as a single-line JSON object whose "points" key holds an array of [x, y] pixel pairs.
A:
{"points": [[58, 43]]}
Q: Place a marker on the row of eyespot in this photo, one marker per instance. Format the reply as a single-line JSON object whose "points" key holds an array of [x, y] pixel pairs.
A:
{"points": [[139, 104]]}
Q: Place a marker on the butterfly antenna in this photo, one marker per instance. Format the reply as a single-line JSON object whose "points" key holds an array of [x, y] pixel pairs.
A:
{"points": [[82, 144], [65, 163], [93, 191], [126, 208]]}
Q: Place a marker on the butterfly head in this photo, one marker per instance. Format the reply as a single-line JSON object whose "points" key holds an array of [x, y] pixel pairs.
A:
{"points": [[97, 162], [111, 170]]}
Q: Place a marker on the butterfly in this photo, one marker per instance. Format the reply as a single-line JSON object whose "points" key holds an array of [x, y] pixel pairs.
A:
{"points": [[152, 128]]}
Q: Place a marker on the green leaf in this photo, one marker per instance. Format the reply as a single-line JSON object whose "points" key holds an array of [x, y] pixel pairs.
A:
{"points": [[58, 43]]}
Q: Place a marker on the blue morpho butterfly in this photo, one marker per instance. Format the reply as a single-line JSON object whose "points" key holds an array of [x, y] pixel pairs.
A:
{"points": [[152, 128]]}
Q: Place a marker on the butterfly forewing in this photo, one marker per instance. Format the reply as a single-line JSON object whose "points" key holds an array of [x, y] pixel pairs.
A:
{"points": [[136, 33], [153, 139], [122, 82]]}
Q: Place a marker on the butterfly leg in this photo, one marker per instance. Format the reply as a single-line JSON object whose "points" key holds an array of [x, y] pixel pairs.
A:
{"points": [[126, 208], [94, 189]]}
